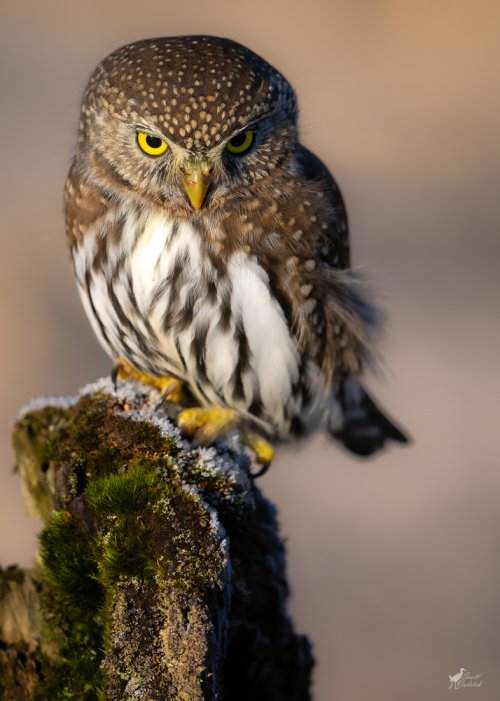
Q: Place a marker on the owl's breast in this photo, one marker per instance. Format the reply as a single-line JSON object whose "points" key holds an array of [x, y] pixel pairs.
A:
{"points": [[169, 307]]}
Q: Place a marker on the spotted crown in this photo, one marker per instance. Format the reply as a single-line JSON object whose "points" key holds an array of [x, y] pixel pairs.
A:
{"points": [[196, 89]]}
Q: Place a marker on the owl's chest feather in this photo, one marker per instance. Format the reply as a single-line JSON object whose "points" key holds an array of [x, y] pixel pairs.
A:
{"points": [[216, 326]]}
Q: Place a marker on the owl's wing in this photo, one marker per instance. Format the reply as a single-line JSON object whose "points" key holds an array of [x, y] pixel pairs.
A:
{"points": [[350, 322], [335, 247]]}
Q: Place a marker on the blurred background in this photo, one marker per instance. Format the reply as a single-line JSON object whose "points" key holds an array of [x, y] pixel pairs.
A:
{"points": [[394, 563]]}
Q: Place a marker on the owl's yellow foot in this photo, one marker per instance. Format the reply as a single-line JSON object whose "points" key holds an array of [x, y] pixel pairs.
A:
{"points": [[170, 387], [264, 451], [206, 424]]}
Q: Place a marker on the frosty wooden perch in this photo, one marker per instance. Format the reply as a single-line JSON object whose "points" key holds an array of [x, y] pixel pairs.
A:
{"points": [[161, 574]]}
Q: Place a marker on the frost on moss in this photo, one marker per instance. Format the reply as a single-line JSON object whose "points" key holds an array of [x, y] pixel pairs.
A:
{"points": [[161, 571]]}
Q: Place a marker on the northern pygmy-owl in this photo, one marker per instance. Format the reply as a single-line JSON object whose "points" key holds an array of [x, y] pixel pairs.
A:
{"points": [[211, 246]]}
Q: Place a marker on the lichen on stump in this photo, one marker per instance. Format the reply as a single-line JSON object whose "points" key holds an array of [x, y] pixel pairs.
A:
{"points": [[161, 573]]}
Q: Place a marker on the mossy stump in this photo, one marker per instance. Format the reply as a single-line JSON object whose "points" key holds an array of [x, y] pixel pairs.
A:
{"points": [[161, 573]]}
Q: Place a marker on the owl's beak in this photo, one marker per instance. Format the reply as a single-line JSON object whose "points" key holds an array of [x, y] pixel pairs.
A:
{"points": [[196, 179]]}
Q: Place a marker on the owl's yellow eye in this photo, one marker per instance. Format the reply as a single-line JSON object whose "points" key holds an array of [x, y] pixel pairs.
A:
{"points": [[152, 145], [241, 142]]}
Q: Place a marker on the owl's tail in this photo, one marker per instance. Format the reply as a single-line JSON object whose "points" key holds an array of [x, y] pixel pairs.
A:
{"points": [[359, 424]]}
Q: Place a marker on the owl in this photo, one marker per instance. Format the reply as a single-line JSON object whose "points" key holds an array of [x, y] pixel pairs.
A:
{"points": [[211, 248]]}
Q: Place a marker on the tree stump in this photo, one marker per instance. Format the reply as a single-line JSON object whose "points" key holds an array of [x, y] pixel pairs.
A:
{"points": [[161, 572]]}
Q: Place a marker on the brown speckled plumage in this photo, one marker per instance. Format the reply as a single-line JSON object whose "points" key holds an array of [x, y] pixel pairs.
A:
{"points": [[196, 88], [166, 280]]}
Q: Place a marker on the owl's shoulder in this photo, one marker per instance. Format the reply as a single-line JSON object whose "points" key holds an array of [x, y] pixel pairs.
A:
{"points": [[315, 173], [313, 168], [84, 204], [313, 215]]}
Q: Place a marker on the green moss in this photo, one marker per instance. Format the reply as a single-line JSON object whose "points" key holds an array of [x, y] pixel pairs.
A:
{"points": [[124, 494], [123, 502], [90, 438], [73, 600], [106, 442], [69, 559], [124, 554], [150, 526]]}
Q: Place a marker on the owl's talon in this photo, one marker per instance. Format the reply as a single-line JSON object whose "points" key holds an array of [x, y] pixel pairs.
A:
{"points": [[264, 452], [117, 366], [206, 424], [172, 391], [170, 387], [261, 471]]}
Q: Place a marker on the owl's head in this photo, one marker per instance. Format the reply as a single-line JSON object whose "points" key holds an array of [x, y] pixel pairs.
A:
{"points": [[186, 121]]}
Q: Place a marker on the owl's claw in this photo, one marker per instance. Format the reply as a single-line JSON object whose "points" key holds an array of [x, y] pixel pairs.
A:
{"points": [[206, 424], [264, 451], [170, 387], [117, 366], [203, 424]]}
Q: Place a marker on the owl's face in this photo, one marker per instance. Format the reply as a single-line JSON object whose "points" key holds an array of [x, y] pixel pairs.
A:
{"points": [[186, 122]]}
